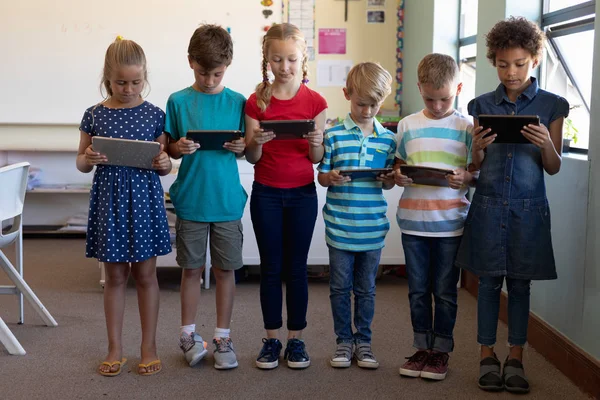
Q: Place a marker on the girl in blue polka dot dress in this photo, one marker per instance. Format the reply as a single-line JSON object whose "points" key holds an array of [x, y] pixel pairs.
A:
{"points": [[127, 223]]}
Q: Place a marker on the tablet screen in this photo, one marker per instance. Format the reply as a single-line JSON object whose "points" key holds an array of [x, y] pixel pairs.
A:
{"points": [[508, 127], [213, 139], [429, 176], [289, 129], [360, 173]]}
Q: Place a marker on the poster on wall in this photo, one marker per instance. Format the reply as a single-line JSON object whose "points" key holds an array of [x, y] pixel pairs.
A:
{"points": [[375, 3], [375, 16], [332, 41]]}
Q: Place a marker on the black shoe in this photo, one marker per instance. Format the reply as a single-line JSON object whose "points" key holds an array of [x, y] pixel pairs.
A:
{"points": [[268, 358], [514, 377], [296, 355], [489, 374]]}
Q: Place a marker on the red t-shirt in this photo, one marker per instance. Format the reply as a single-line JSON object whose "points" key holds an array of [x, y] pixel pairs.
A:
{"points": [[285, 163]]}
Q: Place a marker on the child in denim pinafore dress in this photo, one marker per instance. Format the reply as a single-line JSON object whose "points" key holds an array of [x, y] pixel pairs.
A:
{"points": [[507, 231]]}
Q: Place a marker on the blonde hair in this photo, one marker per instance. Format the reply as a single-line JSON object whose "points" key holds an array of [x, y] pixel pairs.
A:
{"points": [[369, 80], [438, 70], [120, 53], [282, 32]]}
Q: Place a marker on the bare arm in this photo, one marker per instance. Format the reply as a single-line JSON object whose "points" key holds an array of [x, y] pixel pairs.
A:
{"points": [[315, 138], [549, 140], [162, 162], [86, 156], [255, 138]]}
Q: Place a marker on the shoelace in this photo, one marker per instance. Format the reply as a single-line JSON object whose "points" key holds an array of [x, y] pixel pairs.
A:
{"points": [[436, 359], [187, 342], [295, 348], [269, 348], [223, 345]]}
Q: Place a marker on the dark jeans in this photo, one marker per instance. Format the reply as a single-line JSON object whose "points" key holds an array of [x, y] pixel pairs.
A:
{"points": [[488, 307], [430, 270], [283, 221], [352, 272]]}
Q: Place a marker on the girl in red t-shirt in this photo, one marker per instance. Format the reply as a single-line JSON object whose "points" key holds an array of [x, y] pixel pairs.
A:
{"points": [[283, 204]]}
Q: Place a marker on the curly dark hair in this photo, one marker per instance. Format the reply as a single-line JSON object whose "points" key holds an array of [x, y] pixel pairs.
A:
{"points": [[514, 32], [211, 46]]}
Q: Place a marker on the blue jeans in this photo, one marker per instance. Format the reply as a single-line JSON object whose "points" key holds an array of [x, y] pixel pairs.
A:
{"points": [[352, 272], [488, 307], [283, 222], [430, 269]]}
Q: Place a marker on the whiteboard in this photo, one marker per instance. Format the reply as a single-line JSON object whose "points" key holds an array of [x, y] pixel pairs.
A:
{"points": [[53, 51]]}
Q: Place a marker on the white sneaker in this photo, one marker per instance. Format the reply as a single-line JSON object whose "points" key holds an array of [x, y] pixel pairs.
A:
{"points": [[193, 347], [224, 354]]}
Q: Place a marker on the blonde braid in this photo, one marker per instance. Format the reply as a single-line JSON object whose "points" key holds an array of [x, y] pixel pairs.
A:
{"points": [[263, 89]]}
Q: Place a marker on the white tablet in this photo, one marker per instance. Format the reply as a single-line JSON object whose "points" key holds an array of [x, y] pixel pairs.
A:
{"points": [[126, 152]]}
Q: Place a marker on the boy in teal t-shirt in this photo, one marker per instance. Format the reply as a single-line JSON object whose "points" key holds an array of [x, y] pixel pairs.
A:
{"points": [[208, 197]]}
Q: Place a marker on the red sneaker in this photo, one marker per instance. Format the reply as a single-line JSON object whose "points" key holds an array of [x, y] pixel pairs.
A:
{"points": [[415, 364], [436, 367]]}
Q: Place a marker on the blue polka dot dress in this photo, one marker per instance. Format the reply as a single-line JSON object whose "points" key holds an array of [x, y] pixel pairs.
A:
{"points": [[127, 220]]}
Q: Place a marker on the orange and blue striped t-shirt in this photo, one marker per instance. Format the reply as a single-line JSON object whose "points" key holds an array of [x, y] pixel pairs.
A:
{"points": [[444, 143]]}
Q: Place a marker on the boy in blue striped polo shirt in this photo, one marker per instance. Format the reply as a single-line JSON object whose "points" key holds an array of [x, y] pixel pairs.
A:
{"points": [[355, 210]]}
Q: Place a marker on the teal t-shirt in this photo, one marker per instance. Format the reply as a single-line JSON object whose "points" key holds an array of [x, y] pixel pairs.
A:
{"points": [[207, 188]]}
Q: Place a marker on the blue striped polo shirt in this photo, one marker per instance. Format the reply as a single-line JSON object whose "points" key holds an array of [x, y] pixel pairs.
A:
{"points": [[355, 212]]}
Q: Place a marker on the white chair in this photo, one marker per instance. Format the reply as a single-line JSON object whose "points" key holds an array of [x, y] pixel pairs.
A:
{"points": [[13, 181]]}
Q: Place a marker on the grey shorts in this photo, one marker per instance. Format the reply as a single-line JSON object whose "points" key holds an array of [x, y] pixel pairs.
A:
{"points": [[225, 244]]}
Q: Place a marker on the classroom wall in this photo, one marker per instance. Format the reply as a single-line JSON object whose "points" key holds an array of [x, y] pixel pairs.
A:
{"points": [[365, 42]]}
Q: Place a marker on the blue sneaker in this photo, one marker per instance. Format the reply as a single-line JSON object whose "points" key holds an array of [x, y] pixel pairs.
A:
{"points": [[268, 358], [296, 355]]}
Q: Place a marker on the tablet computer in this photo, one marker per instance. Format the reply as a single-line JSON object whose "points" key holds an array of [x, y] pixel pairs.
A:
{"points": [[508, 127], [370, 173], [215, 139], [429, 176], [289, 129], [126, 152]]}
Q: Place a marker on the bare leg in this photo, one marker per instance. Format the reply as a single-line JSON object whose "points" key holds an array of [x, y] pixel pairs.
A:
{"points": [[148, 302], [190, 294], [294, 335], [486, 351], [225, 282], [516, 352], [114, 307]]}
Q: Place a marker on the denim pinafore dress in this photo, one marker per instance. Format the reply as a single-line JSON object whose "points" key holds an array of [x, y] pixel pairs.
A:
{"points": [[507, 230]]}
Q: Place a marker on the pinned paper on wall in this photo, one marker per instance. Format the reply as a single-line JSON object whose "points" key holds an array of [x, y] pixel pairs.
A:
{"points": [[375, 3], [375, 17], [332, 41], [302, 14], [333, 72]]}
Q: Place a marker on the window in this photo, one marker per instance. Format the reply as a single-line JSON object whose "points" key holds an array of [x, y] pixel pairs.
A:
{"points": [[567, 70], [466, 53]]}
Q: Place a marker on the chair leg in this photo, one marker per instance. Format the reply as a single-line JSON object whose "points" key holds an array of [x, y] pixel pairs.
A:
{"points": [[10, 341], [26, 291], [19, 260]]}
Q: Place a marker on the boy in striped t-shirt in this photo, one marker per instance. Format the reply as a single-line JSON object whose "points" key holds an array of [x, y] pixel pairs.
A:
{"points": [[355, 210], [431, 218]]}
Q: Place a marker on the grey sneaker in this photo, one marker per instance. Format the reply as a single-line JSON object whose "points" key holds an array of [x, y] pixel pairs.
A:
{"points": [[193, 347], [364, 356], [224, 354], [343, 355]]}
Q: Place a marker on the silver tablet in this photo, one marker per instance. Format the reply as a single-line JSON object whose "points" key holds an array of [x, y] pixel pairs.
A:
{"points": [[126, 152]]}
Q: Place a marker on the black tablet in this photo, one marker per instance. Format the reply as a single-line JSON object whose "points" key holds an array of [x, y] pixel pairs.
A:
{"points": [[370, 173], [508, 127], [289, 129], [429, 176], [213, 140]]}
